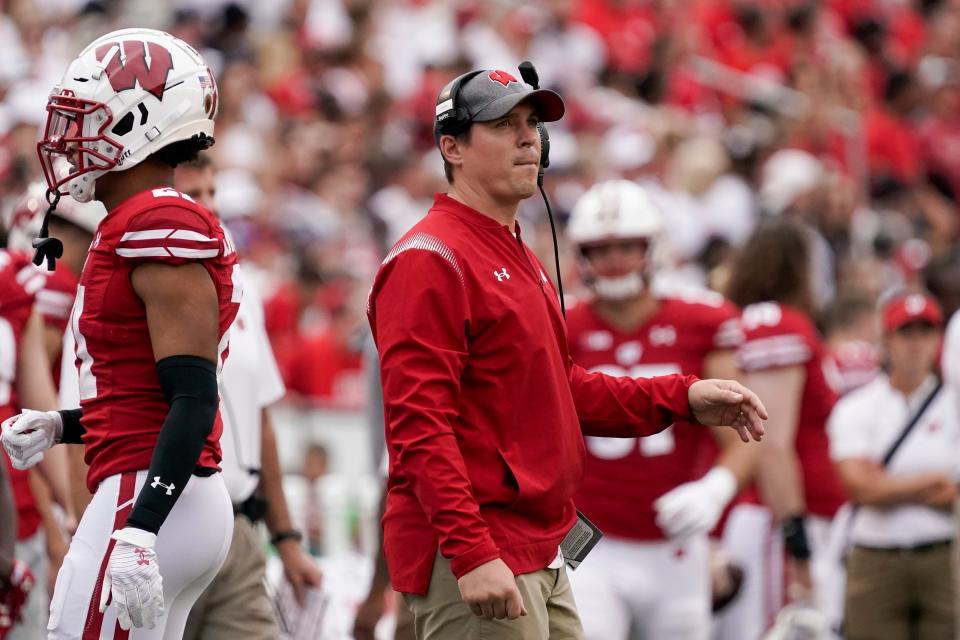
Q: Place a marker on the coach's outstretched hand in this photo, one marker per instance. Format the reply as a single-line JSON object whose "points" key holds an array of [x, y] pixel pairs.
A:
{"points": [[727, 403]]}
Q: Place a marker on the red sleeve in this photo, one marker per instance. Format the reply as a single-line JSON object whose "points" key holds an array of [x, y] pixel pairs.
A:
{"points": [[629, 407], [419, 314], [775, 337], [172, 234]]}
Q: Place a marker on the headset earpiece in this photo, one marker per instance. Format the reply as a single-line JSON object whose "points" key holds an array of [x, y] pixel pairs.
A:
{"points": [[452, 119]]}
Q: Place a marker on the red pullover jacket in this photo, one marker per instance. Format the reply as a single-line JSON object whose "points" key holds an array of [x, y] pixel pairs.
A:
{"points": [[484, 409]]}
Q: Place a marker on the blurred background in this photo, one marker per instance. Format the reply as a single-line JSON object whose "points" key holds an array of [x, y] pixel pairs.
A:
{"points": [[842, 113]]}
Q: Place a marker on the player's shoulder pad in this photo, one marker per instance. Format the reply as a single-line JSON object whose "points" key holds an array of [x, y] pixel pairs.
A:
{"points": [[171, 227], [25, 277]]}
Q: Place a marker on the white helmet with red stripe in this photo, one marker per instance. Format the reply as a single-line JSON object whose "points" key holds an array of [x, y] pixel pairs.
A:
{"points": [[126, 96], [609, 213]]}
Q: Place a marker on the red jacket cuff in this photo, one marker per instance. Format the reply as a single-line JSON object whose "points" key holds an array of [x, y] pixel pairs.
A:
{"points": [[476, 556]]}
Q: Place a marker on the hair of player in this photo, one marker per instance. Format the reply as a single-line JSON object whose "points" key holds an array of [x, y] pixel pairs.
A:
{"points": [[184, 151], [773, 266], [201, 162], [463, 138], [847, 309]]}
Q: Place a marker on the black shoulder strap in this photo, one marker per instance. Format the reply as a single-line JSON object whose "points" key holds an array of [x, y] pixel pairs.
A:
{"points": [[913, 421]]}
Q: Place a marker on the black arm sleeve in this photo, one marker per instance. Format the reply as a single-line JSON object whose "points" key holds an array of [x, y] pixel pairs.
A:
{"points": [[72, 429], [190, 385]]}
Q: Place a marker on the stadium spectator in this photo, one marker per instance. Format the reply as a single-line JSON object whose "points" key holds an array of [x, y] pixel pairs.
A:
{"points": [[899, 575]]}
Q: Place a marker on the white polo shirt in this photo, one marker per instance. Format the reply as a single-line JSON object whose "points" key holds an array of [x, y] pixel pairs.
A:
{"points": [[249, 382], [950, 357], [865, 423]]}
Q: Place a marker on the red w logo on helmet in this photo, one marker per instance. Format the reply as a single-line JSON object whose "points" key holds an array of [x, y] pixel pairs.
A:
{"points": [[502, 77], [124, 74]]}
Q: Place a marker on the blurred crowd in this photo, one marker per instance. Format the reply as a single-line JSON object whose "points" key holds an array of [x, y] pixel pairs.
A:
{"points": [[841, 114]]}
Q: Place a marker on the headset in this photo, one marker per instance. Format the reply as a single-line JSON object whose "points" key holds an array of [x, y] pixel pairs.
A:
{"points": [[453, 120]]}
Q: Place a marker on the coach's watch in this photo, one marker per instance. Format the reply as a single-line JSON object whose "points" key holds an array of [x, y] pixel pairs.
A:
{"points": [[287, 534]]}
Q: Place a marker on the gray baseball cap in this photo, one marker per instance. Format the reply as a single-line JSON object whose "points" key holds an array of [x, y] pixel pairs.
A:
{"points": [[491, 94]]}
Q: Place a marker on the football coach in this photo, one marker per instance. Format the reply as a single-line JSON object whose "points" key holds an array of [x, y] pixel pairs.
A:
{"points": [[484, 410]]}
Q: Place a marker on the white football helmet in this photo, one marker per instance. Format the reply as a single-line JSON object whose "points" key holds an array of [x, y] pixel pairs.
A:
{"points": [[609, 212], [24, 220], [126, 96]]}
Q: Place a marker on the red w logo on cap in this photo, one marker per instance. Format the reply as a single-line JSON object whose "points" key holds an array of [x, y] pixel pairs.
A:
{"points": [[502, 77]]}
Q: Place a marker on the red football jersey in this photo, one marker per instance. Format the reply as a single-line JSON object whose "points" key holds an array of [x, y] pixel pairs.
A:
{"points": [[20, 282], [624, 476], [123, 404], [780, 336]]}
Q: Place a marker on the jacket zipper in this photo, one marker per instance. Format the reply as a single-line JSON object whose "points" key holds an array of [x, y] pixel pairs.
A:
{"points": [[533, 269]]}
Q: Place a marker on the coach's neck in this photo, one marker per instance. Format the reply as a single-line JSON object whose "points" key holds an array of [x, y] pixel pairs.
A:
{"points": [[479, 199]]}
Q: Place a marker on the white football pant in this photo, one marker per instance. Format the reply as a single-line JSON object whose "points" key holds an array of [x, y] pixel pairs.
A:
{"points": [[192, 544], [629, 590], [755, 544]]}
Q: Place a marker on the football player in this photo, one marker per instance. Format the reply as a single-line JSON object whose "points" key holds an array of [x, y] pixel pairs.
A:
{"points": [[157, 294], [24, 381], [74, 224], [655, 498], [798, 490]]}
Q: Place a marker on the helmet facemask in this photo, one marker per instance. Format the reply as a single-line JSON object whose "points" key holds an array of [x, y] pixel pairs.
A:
{"points": [[76, 131], [621, 287]]}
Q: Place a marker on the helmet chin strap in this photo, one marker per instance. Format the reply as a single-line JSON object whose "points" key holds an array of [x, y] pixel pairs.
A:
{"points": [[49, 249], [619, 288]]}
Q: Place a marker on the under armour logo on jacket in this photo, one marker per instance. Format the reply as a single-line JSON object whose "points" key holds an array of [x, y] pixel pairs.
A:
{"points": [[502, 274], [156, 483]]}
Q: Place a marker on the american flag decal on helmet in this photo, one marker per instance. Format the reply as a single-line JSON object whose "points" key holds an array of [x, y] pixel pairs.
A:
{"points": [[205, 81]]}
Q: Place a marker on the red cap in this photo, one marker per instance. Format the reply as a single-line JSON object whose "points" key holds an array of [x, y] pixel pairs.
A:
{"points": [[914, 307]]}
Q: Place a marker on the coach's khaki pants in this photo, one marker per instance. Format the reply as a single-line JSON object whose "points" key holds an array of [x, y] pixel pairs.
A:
{"points": [[551, 612], [899, 595], [235, 605]]}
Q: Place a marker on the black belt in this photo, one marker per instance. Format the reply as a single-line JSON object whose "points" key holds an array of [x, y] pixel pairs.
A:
{"points": [[253, 508], [917, 548]]}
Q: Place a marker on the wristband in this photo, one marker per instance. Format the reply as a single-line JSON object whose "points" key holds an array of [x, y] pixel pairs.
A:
{"points": [[72, 431], [795, 538], [288, 534]]}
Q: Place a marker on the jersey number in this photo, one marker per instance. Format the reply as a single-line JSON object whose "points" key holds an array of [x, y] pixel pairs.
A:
{"points": [[659, 444]]}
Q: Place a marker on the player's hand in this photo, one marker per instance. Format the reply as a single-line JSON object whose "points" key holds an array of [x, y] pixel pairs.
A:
{"points": [[133, 579], [491, 591], [27, 435], [727, 403], [694, 508], [300, 569], [798, 580], [368, 615]]}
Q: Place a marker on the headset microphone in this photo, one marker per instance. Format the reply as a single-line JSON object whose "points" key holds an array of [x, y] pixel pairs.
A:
{"points": [[530, 76]]}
